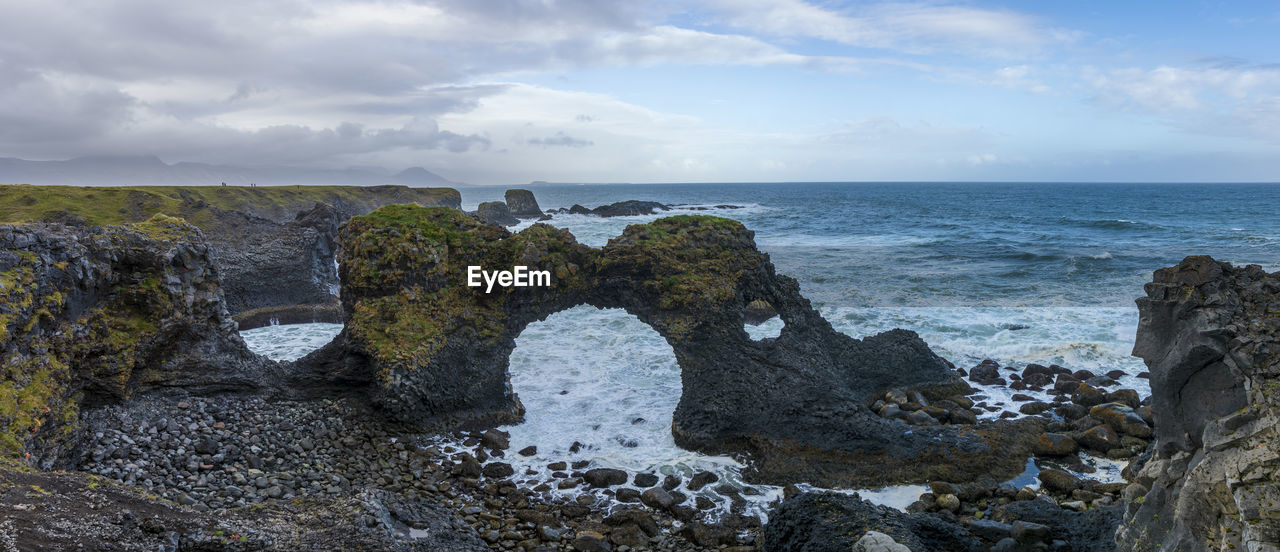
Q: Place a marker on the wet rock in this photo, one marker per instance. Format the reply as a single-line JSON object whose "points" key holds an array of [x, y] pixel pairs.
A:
{"points": [[1058, 480], [496, 440], [591, 541], [1055, 444], [604, 477], [1087, 395], [498, 470], [700, 480], [644, 480], [1100, 438], [1122, 419], [1033, 408], [657, 498]]}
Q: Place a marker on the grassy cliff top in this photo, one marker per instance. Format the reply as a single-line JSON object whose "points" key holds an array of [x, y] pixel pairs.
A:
{"points": [[119, 205]]}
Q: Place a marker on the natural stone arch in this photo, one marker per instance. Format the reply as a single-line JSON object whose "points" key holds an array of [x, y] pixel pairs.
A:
{"points": [[433, 351]]}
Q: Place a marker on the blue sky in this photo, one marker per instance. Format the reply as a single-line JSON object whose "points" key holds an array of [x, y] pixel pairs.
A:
{"points": [[502, 92]]}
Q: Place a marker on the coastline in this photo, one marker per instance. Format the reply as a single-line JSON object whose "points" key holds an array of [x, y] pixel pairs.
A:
{"points": [[326, 453]]}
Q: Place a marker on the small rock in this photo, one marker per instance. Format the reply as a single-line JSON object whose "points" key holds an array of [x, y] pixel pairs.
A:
{"points": [[875, 541]]}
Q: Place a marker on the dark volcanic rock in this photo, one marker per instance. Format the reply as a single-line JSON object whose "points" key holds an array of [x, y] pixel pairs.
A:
{"points": [[273, 246], [264, 263], [830, 522], [1209, 333], [630, 207], [495, 212], [521, 203], [430, 350], [758, 312], [94, 315]]}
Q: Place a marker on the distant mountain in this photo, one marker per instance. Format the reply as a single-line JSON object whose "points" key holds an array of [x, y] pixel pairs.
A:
{"points": [[150, 170]]}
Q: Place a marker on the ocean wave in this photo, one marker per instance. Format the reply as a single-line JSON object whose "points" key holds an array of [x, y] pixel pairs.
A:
{"points": [[777, 240], [1114, 224]]}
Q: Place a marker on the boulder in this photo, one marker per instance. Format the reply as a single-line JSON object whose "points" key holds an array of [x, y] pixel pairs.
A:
{"points": [[1100, 438], [828, 522], [1055, 444], [1058, 481], [604, 477], [1122, 419], [875, 541]]}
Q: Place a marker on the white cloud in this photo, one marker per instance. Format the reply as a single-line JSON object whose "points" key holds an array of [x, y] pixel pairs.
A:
{"points": [[906, 27]]}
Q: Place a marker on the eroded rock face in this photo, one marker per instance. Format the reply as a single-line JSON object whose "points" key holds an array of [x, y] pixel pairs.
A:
{"points": [[274, 245], [496, 212], [431, 349], [522, 204], [1210, 334], [94, 315], [266, 264]]}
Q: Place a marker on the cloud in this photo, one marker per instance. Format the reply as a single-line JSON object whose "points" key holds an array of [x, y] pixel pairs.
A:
{"points": [[560, 139], [904, 27]]}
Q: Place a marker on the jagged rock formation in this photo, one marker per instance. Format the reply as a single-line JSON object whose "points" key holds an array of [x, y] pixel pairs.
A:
{"points": [[496, 213], [522, 204], [1210, 334], [266, 264], [274, 245], [630, 207], [430, 349], [94, 315]]}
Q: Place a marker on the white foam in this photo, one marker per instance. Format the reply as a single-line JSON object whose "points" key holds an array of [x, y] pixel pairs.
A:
{"points": [[289, 341]]}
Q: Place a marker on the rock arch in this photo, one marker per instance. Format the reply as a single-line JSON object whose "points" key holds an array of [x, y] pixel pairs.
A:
{"points": [[429, 350]]}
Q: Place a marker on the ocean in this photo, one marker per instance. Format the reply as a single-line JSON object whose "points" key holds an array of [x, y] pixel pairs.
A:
{"points": [[1015, 272]]}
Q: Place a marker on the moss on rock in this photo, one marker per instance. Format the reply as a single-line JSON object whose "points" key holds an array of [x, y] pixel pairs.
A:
{"points": [[97, 314]]}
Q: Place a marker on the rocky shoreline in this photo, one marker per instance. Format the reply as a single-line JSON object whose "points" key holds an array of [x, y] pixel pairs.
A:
{"points": [[124, 368]]}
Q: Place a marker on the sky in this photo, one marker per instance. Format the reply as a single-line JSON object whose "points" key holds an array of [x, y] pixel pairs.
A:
{"points": [[507, 92]]}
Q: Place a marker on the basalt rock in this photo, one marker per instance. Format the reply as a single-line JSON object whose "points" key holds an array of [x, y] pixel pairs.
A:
{"points": [[274, 246], [428, 349], [93, 315], [496, 212], [522, 204], [1210, 335], [630, 207], [830, 522]]}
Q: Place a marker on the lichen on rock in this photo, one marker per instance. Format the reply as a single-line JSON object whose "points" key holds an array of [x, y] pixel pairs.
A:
{"points": [[1210, 335], [93, 315]]}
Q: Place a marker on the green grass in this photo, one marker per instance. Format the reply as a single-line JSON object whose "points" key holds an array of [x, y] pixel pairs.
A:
{"points": [[97, 205]]}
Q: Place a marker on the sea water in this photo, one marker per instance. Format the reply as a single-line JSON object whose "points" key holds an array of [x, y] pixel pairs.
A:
{"points": [[1017, 273]]}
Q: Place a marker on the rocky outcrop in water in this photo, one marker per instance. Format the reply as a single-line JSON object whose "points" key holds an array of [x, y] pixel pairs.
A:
{"points": [[522, 204], [431, 349], [1210, 334], [94, 315], [630, 207]]}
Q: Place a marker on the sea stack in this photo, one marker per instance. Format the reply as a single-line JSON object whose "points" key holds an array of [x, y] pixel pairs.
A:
{"points": [[522, 204]]}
